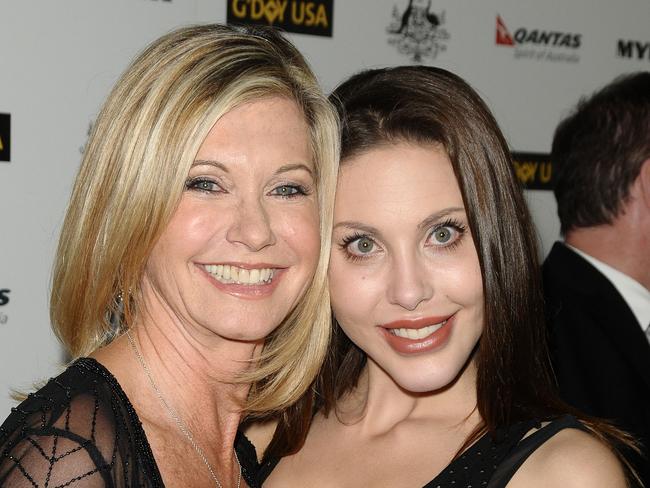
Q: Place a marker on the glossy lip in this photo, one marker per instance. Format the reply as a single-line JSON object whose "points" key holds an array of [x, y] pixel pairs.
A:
{"points": [[407, 346], [247, 292]]}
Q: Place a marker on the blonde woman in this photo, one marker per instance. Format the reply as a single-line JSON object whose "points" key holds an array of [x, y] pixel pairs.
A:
{"points": [[190, 275]]}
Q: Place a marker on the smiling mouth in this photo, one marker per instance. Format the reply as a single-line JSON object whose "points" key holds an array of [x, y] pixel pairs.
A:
{"points": [[408, 333], [228, 274]]}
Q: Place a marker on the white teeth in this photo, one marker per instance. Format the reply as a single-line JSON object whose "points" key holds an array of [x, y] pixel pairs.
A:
{"points": [[243, 276], [254, 276], [417, 333], [225, 273]]}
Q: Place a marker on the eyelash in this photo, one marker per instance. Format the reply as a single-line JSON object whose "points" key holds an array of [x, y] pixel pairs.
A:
{"points": [[456, 225], [300, 190], [194, 184], [347, 240]]}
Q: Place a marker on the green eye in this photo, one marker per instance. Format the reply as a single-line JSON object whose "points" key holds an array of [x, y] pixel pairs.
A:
{"points": [[442, 235], [364, 245]]}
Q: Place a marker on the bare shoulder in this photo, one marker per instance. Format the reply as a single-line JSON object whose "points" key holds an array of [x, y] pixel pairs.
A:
{"points": [[260, 435], [571, 458]]}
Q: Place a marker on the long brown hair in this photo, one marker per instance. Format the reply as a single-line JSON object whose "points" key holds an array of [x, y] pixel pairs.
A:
{"points": [[425, 105]]}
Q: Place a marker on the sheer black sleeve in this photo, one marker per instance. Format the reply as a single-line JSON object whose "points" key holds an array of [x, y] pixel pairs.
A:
{"points": [[79, 430]]}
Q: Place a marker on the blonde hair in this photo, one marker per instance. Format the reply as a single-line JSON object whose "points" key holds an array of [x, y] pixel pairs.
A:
{"points": [[133, 174]]}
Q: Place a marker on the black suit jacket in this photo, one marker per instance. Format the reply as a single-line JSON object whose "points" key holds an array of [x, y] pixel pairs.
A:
{"points": [[600, 354]]}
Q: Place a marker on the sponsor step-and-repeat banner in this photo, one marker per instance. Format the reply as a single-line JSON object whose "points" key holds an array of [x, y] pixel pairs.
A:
{"points": [[530, 60]]}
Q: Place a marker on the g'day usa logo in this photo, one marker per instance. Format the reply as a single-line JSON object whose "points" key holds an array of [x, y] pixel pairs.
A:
{"points": [[539, 44], [417, 31], [5, 137], [301, 16]]}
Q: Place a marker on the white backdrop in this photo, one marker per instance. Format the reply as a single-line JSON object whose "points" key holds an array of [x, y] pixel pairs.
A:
{"points": [[59, 59]]}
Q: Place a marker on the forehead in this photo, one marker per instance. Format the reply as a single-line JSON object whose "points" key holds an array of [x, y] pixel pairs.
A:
{"points": [[269, 128], [402, 182]]}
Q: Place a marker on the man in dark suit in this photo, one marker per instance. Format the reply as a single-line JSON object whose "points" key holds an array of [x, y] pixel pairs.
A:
{"points": [[597, 282]]}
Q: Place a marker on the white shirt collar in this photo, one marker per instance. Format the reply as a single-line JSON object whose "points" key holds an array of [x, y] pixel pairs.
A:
{"points": [[634, 293]]}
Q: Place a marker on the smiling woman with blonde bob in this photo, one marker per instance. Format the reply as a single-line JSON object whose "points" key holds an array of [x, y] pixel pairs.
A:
{"points": [[438, 375], [190, 279]]}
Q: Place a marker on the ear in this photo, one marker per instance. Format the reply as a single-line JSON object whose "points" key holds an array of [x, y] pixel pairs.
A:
{"points": [[643, 181]]}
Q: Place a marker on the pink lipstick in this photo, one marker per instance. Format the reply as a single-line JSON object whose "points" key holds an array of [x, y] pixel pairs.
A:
{"points": [[419, 335]]}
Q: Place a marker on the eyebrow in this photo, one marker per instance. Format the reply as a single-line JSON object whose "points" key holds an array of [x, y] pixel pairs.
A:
{"points": [[206, 162], [282, 169], [441, 214], [295, 166], [428, 222]]}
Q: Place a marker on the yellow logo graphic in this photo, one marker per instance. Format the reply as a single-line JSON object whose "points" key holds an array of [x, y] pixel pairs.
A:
{"points": [[533, 172], [301, 13]]}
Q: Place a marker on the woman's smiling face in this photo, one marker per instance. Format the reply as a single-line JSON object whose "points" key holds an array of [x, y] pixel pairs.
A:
{"points": [[405, 279], [244, 242]]}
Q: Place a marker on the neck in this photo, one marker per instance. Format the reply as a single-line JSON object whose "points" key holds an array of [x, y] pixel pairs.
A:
{"points": [[620, 245], [378, 404], [194, 370]]}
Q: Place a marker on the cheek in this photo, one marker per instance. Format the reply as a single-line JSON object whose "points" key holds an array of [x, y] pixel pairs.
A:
{"points": [[355, 291], [188, 231], [300, 230], [459, 278]]}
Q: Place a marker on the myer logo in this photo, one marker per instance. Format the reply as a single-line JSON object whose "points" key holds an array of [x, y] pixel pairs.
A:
{"points": [[4, 299], [4, 296], [301, 16], [5, 137], [633, 49], [539, 44], [533, 170]]}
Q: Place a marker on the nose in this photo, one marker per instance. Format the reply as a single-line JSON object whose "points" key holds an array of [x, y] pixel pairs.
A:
{"points": [[410, 283], [251, 225]]}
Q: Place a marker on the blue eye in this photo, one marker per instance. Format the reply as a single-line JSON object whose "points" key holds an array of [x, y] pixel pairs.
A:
{"points": [[288, 191], [285, 190], [204, 185]]}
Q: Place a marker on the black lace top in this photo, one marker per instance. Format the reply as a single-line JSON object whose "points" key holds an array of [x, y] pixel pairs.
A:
{"points": [[79, 430], [489, 463]]}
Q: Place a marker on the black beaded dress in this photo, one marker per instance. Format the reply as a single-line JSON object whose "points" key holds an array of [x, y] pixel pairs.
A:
{"points": [[80, 429], [489, 463]]}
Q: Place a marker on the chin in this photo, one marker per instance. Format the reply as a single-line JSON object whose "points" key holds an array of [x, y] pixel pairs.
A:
{"points": [[415, 380], [243, 331], [422, 385]]}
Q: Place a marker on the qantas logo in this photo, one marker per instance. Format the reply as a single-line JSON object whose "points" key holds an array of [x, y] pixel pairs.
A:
{"points": [[536, 37], [503, 36]]}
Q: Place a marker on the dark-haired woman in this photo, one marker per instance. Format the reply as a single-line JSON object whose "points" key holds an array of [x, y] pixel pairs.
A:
{"points": [[438, 375]]}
